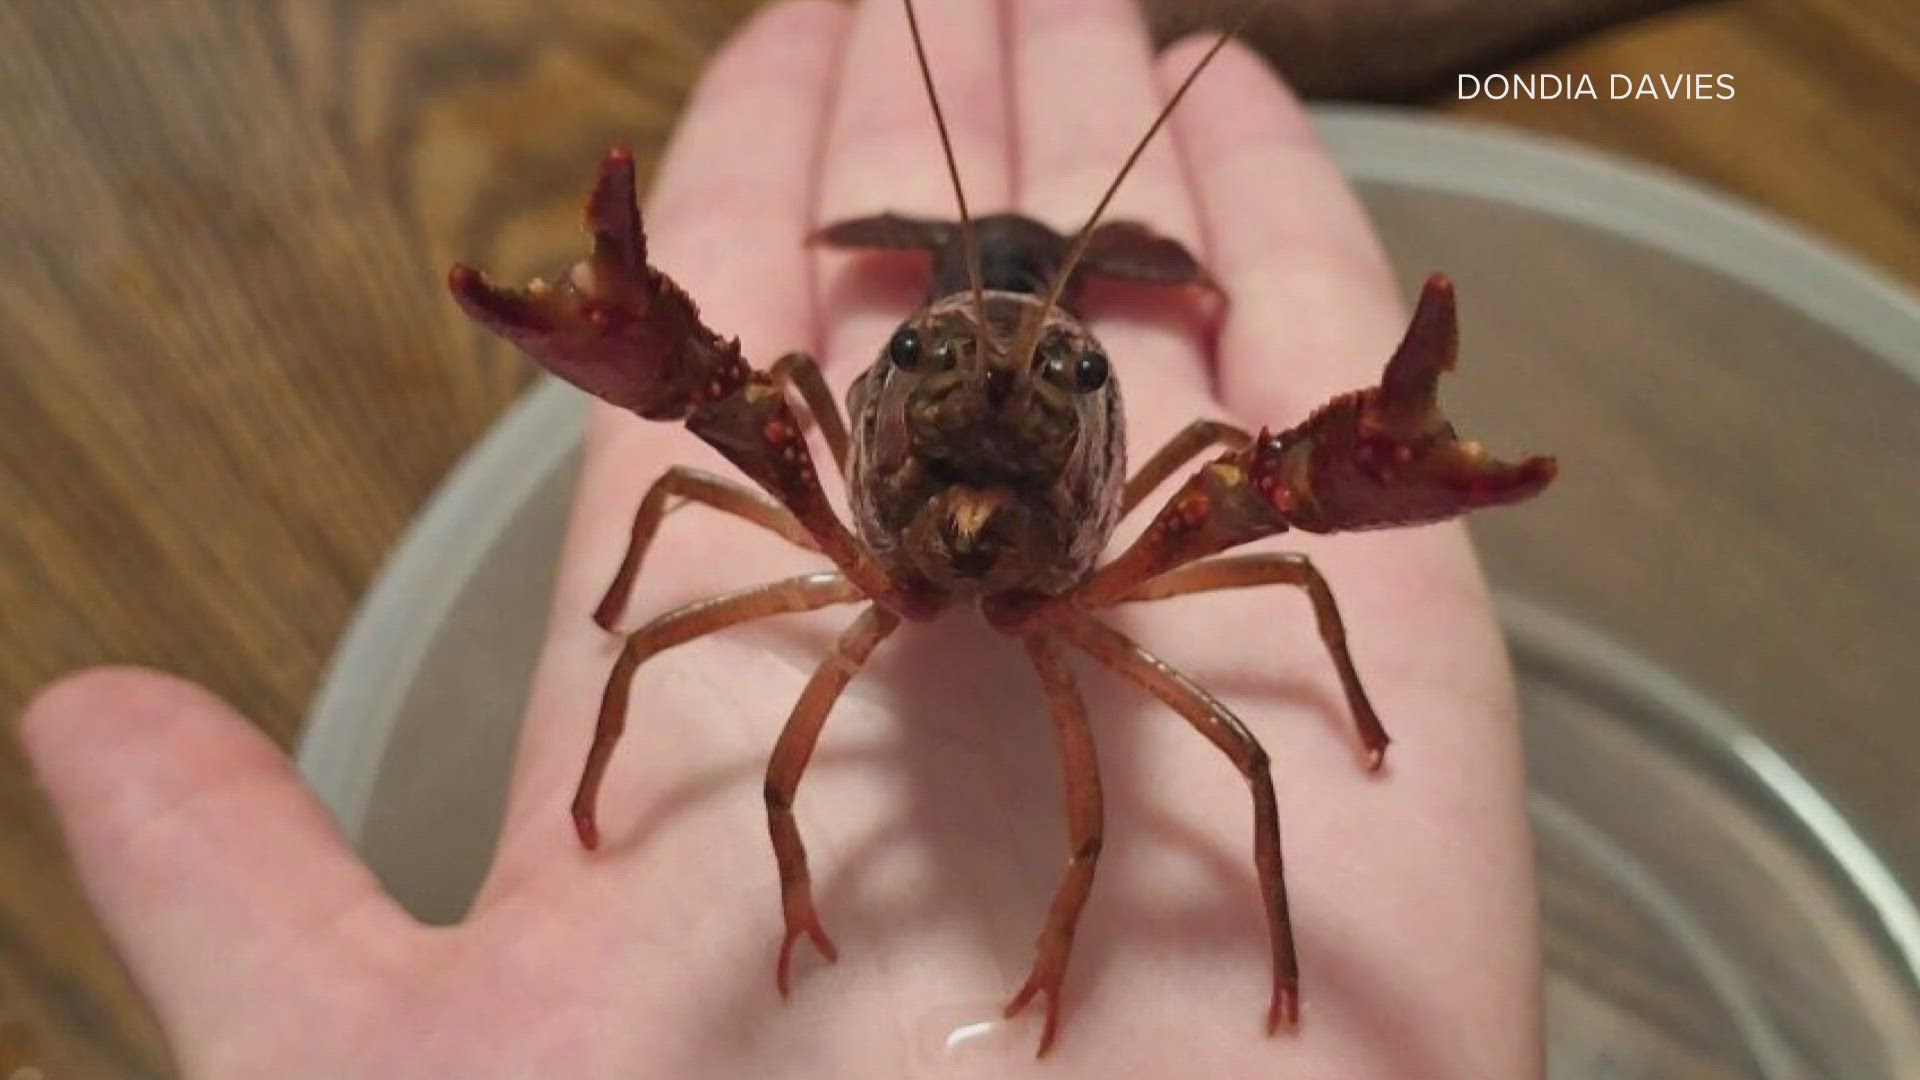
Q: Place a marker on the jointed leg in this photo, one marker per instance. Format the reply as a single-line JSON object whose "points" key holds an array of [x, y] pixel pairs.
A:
{"points": [[1225, 731], [808, 592], [789, 762], [1241, 571], [1082, 770], [1194, 439], [798, 370], [701, 487]]}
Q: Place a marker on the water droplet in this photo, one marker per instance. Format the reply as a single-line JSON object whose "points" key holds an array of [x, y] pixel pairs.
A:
{"points": [[968, 1031]]}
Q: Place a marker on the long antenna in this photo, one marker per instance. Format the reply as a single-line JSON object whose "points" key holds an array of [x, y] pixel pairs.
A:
{"points": [[968, 250], [1079, 249]]}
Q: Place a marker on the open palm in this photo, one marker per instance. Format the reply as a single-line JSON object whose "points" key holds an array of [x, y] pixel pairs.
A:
{"points": [[932, 810]]}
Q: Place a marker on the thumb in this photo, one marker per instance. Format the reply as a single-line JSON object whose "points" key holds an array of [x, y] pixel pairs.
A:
{"points": [[218, 875]]}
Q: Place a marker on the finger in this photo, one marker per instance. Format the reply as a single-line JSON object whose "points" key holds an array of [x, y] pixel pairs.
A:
{"points": [[1313, 308], [731, 205], [1085, 94], [727, 219], [203, 853], [1314, 313], [883, 150]]}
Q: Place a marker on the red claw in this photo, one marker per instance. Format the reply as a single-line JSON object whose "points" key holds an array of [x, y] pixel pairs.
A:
{"points": [[613, 325], [1387, 455]]}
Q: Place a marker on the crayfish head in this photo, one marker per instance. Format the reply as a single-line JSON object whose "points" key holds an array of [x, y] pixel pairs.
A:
{"points": [[977, 412], [990, 465], [612, 325]]}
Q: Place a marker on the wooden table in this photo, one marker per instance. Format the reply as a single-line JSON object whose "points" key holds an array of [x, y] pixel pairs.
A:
{"points": [[223, 228]]}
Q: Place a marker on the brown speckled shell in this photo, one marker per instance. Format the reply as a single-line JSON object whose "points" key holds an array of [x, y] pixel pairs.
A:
{"points": [[1071, 501]]}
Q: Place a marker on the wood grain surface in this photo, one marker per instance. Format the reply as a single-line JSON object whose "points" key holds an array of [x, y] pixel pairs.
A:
{"points": [[228, 376]]}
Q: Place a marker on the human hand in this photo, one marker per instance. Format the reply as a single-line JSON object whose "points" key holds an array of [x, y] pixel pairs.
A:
{"points": [[932, 809]]}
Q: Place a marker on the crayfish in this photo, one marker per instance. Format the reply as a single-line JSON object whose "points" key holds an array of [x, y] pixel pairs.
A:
{"points": [[985, 462]]}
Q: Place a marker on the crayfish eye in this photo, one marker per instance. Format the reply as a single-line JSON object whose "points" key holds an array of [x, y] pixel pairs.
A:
{"points": [[946, 354], [1090, 371], [904, 348]]}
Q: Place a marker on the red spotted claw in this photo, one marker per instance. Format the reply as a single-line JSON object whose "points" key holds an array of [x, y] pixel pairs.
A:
{"points": [[613, 326], [1387, 455]]}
